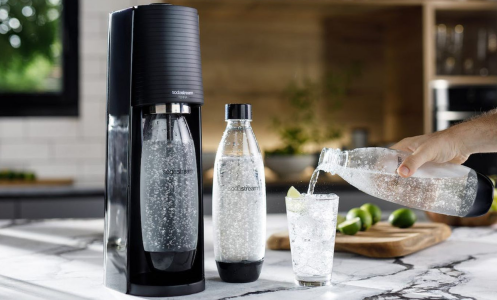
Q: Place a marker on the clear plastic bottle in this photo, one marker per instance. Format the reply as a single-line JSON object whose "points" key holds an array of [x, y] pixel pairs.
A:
{"points": [[442, 188], [239, 200], [169, 192]]}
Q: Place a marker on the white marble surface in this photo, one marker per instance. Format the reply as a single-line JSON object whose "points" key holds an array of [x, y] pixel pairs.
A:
{"points": [[62, 259]]}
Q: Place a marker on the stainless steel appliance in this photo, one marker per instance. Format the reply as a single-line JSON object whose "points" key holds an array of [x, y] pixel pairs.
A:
{"points": [[455, 104]]}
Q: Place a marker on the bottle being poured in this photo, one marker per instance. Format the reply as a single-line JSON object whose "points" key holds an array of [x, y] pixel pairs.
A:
{"points": [[442, 188]]}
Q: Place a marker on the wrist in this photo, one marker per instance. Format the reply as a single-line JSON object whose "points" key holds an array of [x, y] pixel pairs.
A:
{"points": [[469, 137], [487, 132]]}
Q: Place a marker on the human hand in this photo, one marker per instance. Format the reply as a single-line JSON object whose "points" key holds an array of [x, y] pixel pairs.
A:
{"points": [[452, 145], [440, 147]]}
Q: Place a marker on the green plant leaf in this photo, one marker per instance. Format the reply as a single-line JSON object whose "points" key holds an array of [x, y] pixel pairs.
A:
{"points": [[311, 106]]}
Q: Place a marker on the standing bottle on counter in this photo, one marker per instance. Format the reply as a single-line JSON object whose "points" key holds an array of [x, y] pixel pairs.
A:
{"points": [[239, 199]]}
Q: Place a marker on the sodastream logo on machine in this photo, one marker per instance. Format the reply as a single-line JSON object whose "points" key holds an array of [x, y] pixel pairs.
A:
{"points": [[182, 92]]}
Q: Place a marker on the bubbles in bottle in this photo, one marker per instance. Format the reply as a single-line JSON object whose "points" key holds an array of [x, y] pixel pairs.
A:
{"points": [[239, 209], [169, 196]]}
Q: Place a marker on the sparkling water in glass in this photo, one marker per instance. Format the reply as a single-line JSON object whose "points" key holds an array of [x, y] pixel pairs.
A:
{"points": [[312, 226]]}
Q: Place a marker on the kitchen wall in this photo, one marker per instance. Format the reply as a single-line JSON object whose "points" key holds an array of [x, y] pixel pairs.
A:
{"points": [[251, 51], [69, 147], [75, 147], [251, 59]]}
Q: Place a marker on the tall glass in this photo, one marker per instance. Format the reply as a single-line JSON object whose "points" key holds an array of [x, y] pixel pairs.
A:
{"points": [[312, 226]]}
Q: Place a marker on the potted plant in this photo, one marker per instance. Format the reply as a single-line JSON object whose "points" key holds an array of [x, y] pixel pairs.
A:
{"points": [[308, 123]]}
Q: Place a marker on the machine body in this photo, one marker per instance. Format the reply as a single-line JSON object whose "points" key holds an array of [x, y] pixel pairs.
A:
{"points": [[153, 241]]}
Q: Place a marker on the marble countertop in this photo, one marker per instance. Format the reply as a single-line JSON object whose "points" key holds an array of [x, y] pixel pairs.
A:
{"points": [[62, 259]]}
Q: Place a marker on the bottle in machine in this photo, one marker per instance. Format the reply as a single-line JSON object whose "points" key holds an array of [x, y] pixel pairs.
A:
{"points": [[169, 189]]}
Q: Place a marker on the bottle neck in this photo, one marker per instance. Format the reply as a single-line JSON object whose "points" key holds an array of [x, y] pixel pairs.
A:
{"points": [[238, 123], [166, 127], [332, 160]]}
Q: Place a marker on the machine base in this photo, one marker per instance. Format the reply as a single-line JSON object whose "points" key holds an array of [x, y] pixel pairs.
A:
{"points": [[166, 291]]}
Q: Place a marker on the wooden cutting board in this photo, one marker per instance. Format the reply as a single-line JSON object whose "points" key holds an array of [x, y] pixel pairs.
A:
{"points": [[381, 241]]}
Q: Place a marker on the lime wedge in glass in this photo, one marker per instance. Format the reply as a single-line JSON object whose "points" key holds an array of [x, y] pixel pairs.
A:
{"points": [[293, 193], [294, 201]]}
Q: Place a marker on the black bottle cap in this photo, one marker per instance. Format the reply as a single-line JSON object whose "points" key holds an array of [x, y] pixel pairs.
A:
{"points": [[484, 197], [238, 112]]}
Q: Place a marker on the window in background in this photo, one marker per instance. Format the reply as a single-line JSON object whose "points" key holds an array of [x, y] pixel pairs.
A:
{"points": [[38, 57]]}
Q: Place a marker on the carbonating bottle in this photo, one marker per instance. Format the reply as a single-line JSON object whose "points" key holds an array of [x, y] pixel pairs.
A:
{"points": [[169, 192], [239, 199], [447, 188]]}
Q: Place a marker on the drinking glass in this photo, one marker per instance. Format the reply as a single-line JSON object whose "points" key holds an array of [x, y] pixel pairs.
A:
{"points": [[312, 227]]}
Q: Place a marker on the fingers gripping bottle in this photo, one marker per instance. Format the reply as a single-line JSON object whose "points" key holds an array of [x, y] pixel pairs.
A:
{"points": [[239, 199]]}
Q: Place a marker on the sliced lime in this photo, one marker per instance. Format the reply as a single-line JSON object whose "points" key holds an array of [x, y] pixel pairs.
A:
{"points": [[366, 219], [350, 227]]}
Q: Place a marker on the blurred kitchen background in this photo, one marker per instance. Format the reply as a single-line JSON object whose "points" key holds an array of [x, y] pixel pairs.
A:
{"points": [[318, 73]]}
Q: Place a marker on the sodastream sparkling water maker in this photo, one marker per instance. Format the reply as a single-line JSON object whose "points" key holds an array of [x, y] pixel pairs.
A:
{"points": [[153, 206]]}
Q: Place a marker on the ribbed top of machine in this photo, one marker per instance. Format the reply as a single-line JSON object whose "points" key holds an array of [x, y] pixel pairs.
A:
{"points": [[166, 55]]}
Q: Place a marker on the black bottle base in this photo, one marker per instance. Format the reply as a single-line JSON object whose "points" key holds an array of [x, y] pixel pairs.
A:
{"points": [[172, 261], [241, 272]]}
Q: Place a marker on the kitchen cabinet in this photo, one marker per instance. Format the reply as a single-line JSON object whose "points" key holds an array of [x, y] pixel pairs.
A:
{"points": [[460, 48], [51, 202]]}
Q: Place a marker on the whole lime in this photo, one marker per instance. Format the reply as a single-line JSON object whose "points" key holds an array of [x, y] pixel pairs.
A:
{"points": [[366, 219], [374, 210], [402, 218], [350, 227]]}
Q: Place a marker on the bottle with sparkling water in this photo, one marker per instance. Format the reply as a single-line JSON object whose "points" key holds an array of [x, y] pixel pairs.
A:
{"points": [[447, 188], [169, 192], [239, 199]]}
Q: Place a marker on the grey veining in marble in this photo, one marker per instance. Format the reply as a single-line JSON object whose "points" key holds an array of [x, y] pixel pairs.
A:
{"points": [[62, 259]]}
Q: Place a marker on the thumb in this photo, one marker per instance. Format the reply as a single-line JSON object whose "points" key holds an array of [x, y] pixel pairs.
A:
{"points": [[412, 163]]}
